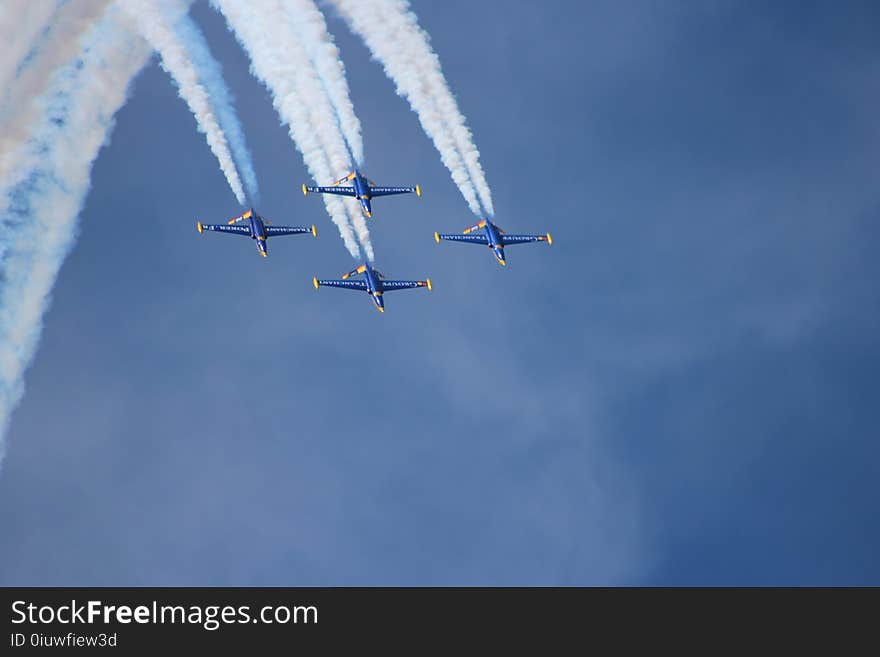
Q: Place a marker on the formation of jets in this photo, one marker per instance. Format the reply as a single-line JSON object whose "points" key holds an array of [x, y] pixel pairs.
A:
{"points": [[251, 224]]}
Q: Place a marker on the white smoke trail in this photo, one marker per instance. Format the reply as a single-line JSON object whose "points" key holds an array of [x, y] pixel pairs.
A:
{"points": [[257, 29], [155, 22], [56, 45], [42, 198], [313, 90], [211, 75], [392, 33], [322, 51], [21, 23]]}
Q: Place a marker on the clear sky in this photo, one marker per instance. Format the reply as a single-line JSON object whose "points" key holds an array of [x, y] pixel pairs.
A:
{"points": [[681, 390]]}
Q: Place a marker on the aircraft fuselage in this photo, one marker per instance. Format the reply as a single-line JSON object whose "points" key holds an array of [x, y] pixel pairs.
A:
{"points": [[258, 232], [374, 287], [496, 243], [362, 192]]}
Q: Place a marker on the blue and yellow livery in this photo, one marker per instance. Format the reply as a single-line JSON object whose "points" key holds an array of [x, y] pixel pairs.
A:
{"points": [[362, 189], [257, 228], [373, 283], [493, 237]]}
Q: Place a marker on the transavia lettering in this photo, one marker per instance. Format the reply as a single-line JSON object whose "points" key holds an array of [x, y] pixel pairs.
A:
{"points": [[68, 640]]}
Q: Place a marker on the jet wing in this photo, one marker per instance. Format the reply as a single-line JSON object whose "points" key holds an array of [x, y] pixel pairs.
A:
{"points": [[226, 228], [389, 286], [273, 231], [458, 237], [339, 190], [522, 239], [347, 284], [390, 191]]}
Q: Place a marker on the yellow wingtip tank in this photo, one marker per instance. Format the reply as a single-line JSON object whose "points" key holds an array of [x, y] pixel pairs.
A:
{"points": [[305, 190], [315, 282], [418, 190], [199, 226], [430, 287], [549, 240], [437, 237], [314, 231]]}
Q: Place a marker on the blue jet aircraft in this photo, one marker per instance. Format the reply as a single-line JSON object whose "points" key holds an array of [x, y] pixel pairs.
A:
{"points": [[495, 238], [373, 283], [257, 229], [361, 189]]}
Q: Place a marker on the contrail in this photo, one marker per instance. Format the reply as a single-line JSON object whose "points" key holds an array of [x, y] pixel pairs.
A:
{"points": [[313, 90], [56, 45], [211, 75], [155, 21], [322, 51], [21, 23], [258, 27], [392, 33], [41, 199]]}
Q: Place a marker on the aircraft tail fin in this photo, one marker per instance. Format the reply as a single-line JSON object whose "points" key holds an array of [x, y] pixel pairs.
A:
{"points": [[345, 178]]}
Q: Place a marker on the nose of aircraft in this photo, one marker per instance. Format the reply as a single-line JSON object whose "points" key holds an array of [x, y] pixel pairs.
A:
{"points": [[499, 254], [380, 303], [261, 244]]}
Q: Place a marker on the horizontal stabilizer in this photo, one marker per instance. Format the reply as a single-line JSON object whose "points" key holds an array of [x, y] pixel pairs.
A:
{"points": [[358, 270], [345, 178], [477, 226], [241, 217]]}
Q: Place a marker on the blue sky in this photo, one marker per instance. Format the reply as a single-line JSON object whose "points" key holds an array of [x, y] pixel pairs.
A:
{"points": [[679, 391]]}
